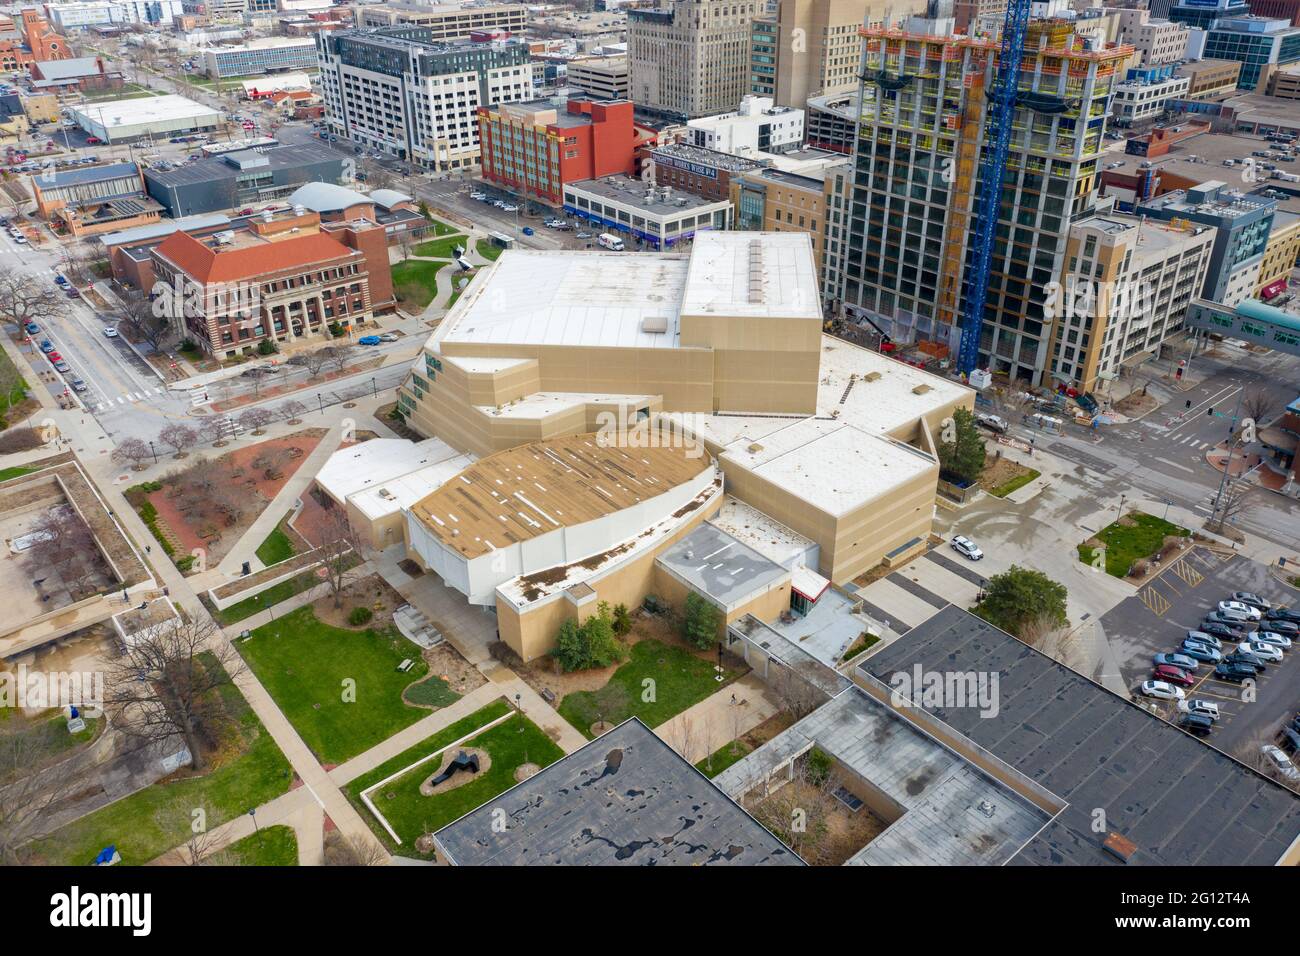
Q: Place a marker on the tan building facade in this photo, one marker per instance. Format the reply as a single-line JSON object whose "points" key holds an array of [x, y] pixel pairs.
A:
{"points": [[1280, 254], [1211, 79], [768, 200]]}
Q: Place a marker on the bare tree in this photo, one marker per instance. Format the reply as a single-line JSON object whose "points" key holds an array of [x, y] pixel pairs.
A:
{"points": [[24, 298], [256, 418], [1234, 504], [407, 241], [797, 695], [292, 411], [179, 436], [165, 687], [312, 361], [343, 850], [132, 450], [1256, 404], [211, 430], [136, 315], [64, 544], [798, 811], [32, 781], [338, 550], [338, 356]]}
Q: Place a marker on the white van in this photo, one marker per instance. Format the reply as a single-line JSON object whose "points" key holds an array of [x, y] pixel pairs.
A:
{"points": [[613, 243]]}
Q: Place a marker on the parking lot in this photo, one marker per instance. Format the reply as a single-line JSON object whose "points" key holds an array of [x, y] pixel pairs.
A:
{"points": [[1156, 620]]}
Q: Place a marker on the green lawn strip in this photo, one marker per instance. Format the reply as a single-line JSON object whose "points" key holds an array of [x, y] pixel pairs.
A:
{"points": [[863, 642], [439, 248], [723, 757], [49, 735], [433, 691], [268, 598], [1004, 489], [152, 821], [432, 744], [276, 548], [15, 472], [514, 742], [1124, 545], [272, 846], [307, 665], [441, 228], [681, 680], [488, 251], [416, 282]]}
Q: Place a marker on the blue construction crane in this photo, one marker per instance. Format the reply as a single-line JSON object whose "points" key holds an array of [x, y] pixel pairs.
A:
{"points": [[1002, 106]]}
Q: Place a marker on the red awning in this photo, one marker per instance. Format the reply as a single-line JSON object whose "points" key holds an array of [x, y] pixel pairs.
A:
{"points": [[1273, 289]]}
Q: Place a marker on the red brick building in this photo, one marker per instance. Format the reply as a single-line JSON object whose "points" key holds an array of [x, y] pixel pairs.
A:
{"points": [[1277, 9], [32, 39], [533, 149], [286, 279]]}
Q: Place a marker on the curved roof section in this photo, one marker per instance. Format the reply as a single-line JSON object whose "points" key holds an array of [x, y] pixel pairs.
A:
{"points": [[326, 197], [388, 198], [1254, 309], [543, 486]]}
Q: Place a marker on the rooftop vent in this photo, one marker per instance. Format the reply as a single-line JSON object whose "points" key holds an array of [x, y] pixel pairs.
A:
{"points": [[755, 271], [654, 323], [1120, 847], [754, 448], [871, 376], [921, 389]]}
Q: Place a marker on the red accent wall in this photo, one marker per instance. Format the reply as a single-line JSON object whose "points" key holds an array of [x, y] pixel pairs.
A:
{"points": [[1279, 9]]}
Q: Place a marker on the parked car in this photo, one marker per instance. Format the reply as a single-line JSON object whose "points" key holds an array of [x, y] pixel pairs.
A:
{"points": [[1265, 652], [1282, 614], [1231, 618], [1202, 637], [47, 346], [55, 356], [1196, 705], [110, 332], [32, 328], [1233, 671], [388, 337], [967, 548], [1176, 660], [1216, 630], [994, 423], [78, 385], [62, 366], [1197, 724], [479, 196], [61, 280], [1173, 675], [93, 141], [1250, 612], [368, 340], [1281, 627], [1200, 652], [1290, 740], [1280, 641], [20, 239], [1247, 658], [72, 293], [509, 207], [584, 235], [1162, 690], [1235, 626], [1281, 763], [1251, 598]]}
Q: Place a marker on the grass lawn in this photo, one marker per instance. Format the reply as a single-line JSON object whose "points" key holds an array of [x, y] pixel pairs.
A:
{"points": [[681, 679], [510, 744], [16, 472], [147, 824], [1139, 537], [416, 282], [724, 757], [17, 391], [276, 548], [304, 662], [439, 248], [1004, 489], [440, 228], [274, 846], [49, 733], [268, 598], [458, 285], [488, 251], [865, 641], [432, 692]]}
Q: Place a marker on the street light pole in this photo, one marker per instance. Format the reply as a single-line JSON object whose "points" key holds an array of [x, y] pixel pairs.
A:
{"points": [[154, 453], [1227, 467]]}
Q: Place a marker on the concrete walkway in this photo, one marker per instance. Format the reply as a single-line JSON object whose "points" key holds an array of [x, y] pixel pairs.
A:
{"points": [[295, 809], [700, 730]]}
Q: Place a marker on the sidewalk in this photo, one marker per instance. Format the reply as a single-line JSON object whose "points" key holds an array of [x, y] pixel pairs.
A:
{"points": [[703, 728]]}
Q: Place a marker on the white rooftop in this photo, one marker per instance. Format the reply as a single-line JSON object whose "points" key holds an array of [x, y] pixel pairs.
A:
{"points": [[395, 494], [279, 81], [570, 298], [752, 274], [145, 109], [544, 404], [769, 537], [375, 462]]}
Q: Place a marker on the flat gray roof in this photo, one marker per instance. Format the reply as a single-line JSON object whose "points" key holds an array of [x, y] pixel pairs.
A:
{"points": [[217, 168], [953, 813], [714, 563], [627, 799], [631, 192], [1181, 801]]}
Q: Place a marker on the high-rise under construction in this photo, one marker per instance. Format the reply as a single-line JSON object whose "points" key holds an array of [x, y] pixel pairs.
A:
{"points": [[903, 251]]}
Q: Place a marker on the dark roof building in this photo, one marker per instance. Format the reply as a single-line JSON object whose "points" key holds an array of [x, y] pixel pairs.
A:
{"points": [[236, 179], [627, 798], [1168, 798]]}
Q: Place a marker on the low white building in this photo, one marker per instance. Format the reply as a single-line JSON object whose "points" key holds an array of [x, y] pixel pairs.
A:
{"points": [[1138, 100], [100, 13], [657, 215], [126, 120], [759, 126]]}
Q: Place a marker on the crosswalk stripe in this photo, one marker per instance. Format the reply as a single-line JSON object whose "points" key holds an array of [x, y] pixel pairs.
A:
{"points": [[121, 400]]}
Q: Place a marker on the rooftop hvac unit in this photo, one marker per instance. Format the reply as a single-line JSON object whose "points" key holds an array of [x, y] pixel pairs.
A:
{"points": [[681, 200], [654, 323], [225, 238], [299, 210], [267, 215]]}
